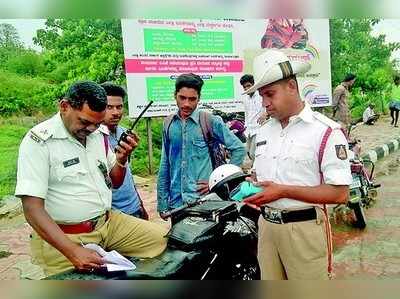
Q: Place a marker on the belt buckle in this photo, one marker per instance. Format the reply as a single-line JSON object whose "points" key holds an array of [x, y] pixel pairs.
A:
{"points": [[273, 215]]}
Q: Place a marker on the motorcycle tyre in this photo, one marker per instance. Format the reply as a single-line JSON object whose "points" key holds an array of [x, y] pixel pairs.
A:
{"points": [[360, 218]]}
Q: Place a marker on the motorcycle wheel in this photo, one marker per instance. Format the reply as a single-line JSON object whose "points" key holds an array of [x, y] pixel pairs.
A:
{"points": [[360, 218]]}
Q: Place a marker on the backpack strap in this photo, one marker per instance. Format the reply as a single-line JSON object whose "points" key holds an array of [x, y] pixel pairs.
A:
{"points": [[206, 129], [167, 124], [106, 145], [206, 126]]}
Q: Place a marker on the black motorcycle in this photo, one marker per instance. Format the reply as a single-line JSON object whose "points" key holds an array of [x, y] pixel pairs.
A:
{"points": [[209, 239], [363, 189]]}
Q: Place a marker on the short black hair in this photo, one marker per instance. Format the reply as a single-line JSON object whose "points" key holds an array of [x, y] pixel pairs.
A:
{"points": [[113, 89], [189, 81], [87, 92], [246, 78], [349, 77]]}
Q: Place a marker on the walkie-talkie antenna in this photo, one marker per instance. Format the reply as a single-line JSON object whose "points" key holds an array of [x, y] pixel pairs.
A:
{"points": [[124, 135], [140, 115]]}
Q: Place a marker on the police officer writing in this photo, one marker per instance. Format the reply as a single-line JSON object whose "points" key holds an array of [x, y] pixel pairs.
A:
{"points": [[301, 163], [64, 178]]}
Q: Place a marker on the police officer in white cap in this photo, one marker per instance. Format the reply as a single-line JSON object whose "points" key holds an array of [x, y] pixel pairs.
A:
{"points": [[301, 162]]}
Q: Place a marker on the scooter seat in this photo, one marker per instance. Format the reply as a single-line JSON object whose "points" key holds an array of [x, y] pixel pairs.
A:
{"points": [[167, 265]]}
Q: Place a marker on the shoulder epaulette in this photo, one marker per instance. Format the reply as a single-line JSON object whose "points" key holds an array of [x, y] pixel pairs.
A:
{"points": [[326, 120], [42, 132]]}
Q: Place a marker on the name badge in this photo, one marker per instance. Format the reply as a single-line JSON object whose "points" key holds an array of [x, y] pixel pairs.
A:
{"points": [[264, 142], [71, 162]]}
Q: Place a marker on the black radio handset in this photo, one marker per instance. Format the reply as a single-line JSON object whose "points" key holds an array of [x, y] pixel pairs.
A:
{"points": [[124, 135]]}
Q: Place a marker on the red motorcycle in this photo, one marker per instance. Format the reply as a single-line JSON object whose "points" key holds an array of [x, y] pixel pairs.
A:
{"points": [[234, 121]]}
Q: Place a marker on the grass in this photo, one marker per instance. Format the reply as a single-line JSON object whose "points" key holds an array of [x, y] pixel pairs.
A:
{"points": [[4, 254], [14, 128], [140, 161], [10, 138]]}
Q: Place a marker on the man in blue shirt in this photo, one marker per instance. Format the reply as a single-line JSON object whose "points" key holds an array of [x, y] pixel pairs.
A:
{"points": [[125, 198], [185, 159]]}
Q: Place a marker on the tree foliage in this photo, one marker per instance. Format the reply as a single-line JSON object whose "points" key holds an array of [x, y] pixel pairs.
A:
{"points": [[355, 50], [24, 95], [10, 43], [82, 49]]}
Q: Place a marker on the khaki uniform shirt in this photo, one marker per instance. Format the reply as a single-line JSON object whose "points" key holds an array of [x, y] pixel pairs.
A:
{"points": [[56, 167], [290, 156], [341, 111]]}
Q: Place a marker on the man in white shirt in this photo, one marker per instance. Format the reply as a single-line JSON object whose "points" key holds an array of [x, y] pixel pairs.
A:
{"points": [[301, 162], [254, 114], [65, 174], [369, 116]]}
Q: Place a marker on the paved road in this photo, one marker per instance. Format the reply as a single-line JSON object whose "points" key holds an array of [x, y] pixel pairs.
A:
{"points": [[373, 253], [370, 254]]}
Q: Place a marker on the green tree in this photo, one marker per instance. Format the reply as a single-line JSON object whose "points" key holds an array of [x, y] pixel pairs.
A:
{"points": [[10, 43], [355, 50], [9, 36], [28, 63], [82, 49]]}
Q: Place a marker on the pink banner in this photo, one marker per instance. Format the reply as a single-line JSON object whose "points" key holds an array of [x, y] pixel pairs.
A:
{"points": [[183, 66]]}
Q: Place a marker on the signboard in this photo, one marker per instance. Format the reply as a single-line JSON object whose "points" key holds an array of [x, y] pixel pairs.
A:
{"points": [[220, 51]]}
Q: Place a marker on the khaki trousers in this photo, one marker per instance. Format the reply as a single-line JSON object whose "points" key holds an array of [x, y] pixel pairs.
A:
{"points": [[296, 250], [128, 235]]}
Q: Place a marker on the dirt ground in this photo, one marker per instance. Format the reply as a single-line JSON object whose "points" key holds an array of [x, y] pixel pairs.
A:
{"points": [[14, 231]]}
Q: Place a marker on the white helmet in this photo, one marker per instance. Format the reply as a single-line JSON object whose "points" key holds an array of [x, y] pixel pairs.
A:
{"points": [[224, 174]]}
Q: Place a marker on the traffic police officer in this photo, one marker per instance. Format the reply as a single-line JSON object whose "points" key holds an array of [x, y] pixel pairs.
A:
{"points": [[301, 162], [65, 174]]}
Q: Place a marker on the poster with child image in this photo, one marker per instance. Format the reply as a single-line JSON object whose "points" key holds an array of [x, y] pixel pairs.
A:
{"points": [[220, 51]]}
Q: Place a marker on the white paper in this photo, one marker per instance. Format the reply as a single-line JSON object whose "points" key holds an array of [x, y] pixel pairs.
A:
{"points": [[113, 260]]}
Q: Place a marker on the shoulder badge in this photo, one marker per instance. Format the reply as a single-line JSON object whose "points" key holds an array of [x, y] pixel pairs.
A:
{"points": [[34, 137], [341, 152], [41, 132]]}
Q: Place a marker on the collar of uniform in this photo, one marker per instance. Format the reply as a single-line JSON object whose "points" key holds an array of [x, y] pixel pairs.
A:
{"points": [[255, 95], [59, 129], [344, 86], [306, 114], [195, 116], [104, 129]]}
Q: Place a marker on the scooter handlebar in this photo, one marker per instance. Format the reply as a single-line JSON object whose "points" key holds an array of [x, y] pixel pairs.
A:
{"points": [[172, 212]]}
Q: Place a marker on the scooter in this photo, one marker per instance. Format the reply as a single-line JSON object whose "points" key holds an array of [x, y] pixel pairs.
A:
{"points": [[210, 238], [363, 189]]}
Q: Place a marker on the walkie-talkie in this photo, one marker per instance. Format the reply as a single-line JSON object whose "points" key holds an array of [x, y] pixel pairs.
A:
{"points": [[124, 135]]}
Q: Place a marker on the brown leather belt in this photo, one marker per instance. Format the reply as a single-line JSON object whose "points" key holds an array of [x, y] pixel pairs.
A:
{"points": [[83, 227]]}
